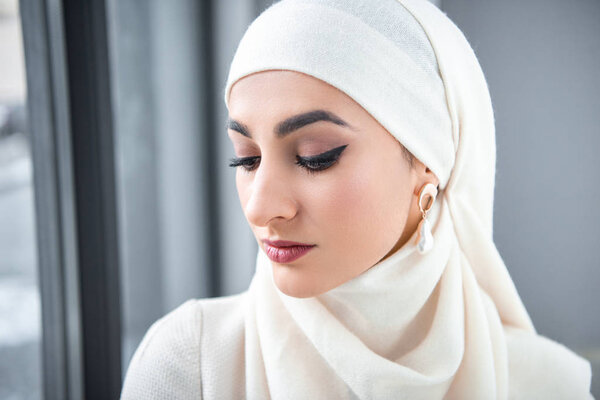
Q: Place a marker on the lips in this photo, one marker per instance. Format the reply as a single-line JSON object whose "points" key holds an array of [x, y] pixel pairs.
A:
{"points": [[285, 251]]}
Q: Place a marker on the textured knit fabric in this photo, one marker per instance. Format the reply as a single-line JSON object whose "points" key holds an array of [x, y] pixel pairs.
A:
{"points": [[446, 324], [166, 365]]}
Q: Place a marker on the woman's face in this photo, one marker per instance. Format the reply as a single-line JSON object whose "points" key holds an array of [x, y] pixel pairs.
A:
{"points": [[314, 167]]}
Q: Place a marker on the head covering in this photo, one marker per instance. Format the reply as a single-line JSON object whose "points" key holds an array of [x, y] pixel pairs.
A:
{"points": [[446, 324]]}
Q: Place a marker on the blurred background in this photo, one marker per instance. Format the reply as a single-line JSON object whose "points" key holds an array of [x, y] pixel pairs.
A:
{"points": [[114, 181], [20, 320]]}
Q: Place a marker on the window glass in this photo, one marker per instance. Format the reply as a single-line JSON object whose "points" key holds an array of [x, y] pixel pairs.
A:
{"points": [[20, 319]]}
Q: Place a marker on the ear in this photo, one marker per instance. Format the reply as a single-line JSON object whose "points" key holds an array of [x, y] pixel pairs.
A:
{"points": [[424, 176]]}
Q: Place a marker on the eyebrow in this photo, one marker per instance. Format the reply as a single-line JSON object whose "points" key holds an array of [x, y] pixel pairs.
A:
{"points": [[293, 123]]}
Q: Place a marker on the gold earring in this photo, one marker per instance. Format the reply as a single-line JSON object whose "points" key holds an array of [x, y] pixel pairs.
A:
{"points": [[424, 237]]}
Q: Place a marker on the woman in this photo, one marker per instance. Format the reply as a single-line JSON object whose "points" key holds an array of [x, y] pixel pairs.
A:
{"points": [[365, 156]]}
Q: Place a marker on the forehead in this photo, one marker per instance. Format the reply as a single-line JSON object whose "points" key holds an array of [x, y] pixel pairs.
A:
{"points": [[292, 90], [271, 96]]}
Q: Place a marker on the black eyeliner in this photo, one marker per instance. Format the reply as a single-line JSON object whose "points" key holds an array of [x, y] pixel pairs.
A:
{"points": [[327, 156], [320, 162], [312, 164]]}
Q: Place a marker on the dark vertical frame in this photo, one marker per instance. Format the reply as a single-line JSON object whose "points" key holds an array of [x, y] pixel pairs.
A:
{"points": [[210, 155], [70, 114], [86, 41]]}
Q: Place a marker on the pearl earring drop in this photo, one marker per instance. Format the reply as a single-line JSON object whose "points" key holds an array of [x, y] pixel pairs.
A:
{"points": [[424, 237]]}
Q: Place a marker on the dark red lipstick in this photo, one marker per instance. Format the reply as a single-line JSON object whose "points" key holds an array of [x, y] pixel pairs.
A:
{"points": [[285, 251]]}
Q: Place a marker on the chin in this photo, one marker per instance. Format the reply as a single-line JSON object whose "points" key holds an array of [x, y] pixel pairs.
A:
{"points": [[294, 283]]}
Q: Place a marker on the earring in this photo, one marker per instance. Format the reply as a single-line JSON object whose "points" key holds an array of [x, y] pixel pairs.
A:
{"points": [[425, 238]]}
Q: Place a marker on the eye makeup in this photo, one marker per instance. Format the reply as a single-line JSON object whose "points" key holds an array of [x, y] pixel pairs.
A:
{"points": [[312, 164], [321, 161], [248, 163]]}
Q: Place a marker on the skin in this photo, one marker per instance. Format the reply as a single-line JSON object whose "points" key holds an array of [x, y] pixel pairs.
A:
{"points": [[357, 212]]}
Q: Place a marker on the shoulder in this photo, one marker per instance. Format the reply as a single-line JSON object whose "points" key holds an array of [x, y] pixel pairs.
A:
{"points": [[223, 316], [165, 363], [542, 368], [170, 360], [223, 347]]}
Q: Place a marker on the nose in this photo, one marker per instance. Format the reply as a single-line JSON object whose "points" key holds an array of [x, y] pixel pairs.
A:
{"points": [[270, 196]]}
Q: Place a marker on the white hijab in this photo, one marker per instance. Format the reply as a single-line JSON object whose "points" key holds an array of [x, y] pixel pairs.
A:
{"points": [[446, 324]]}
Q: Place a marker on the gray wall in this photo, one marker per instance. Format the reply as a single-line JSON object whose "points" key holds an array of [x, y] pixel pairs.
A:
{"points": [[541, 59]]}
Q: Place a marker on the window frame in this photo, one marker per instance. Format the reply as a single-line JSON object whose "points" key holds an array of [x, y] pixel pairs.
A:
{"points": [[71, 129]]}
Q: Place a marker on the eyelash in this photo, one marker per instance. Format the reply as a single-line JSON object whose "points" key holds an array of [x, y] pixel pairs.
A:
{"points": [[312, 164]]}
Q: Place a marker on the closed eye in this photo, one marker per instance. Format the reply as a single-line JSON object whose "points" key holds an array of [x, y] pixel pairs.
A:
{"points": [[312, 164], [248, 163], [321, 161]]}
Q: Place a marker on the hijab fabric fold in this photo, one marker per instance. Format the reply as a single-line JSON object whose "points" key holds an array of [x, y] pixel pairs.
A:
{"points": [[439, 325]]}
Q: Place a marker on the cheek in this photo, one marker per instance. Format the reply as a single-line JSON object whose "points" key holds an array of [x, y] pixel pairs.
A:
{"points": [[361, 206], [242, 184]]}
